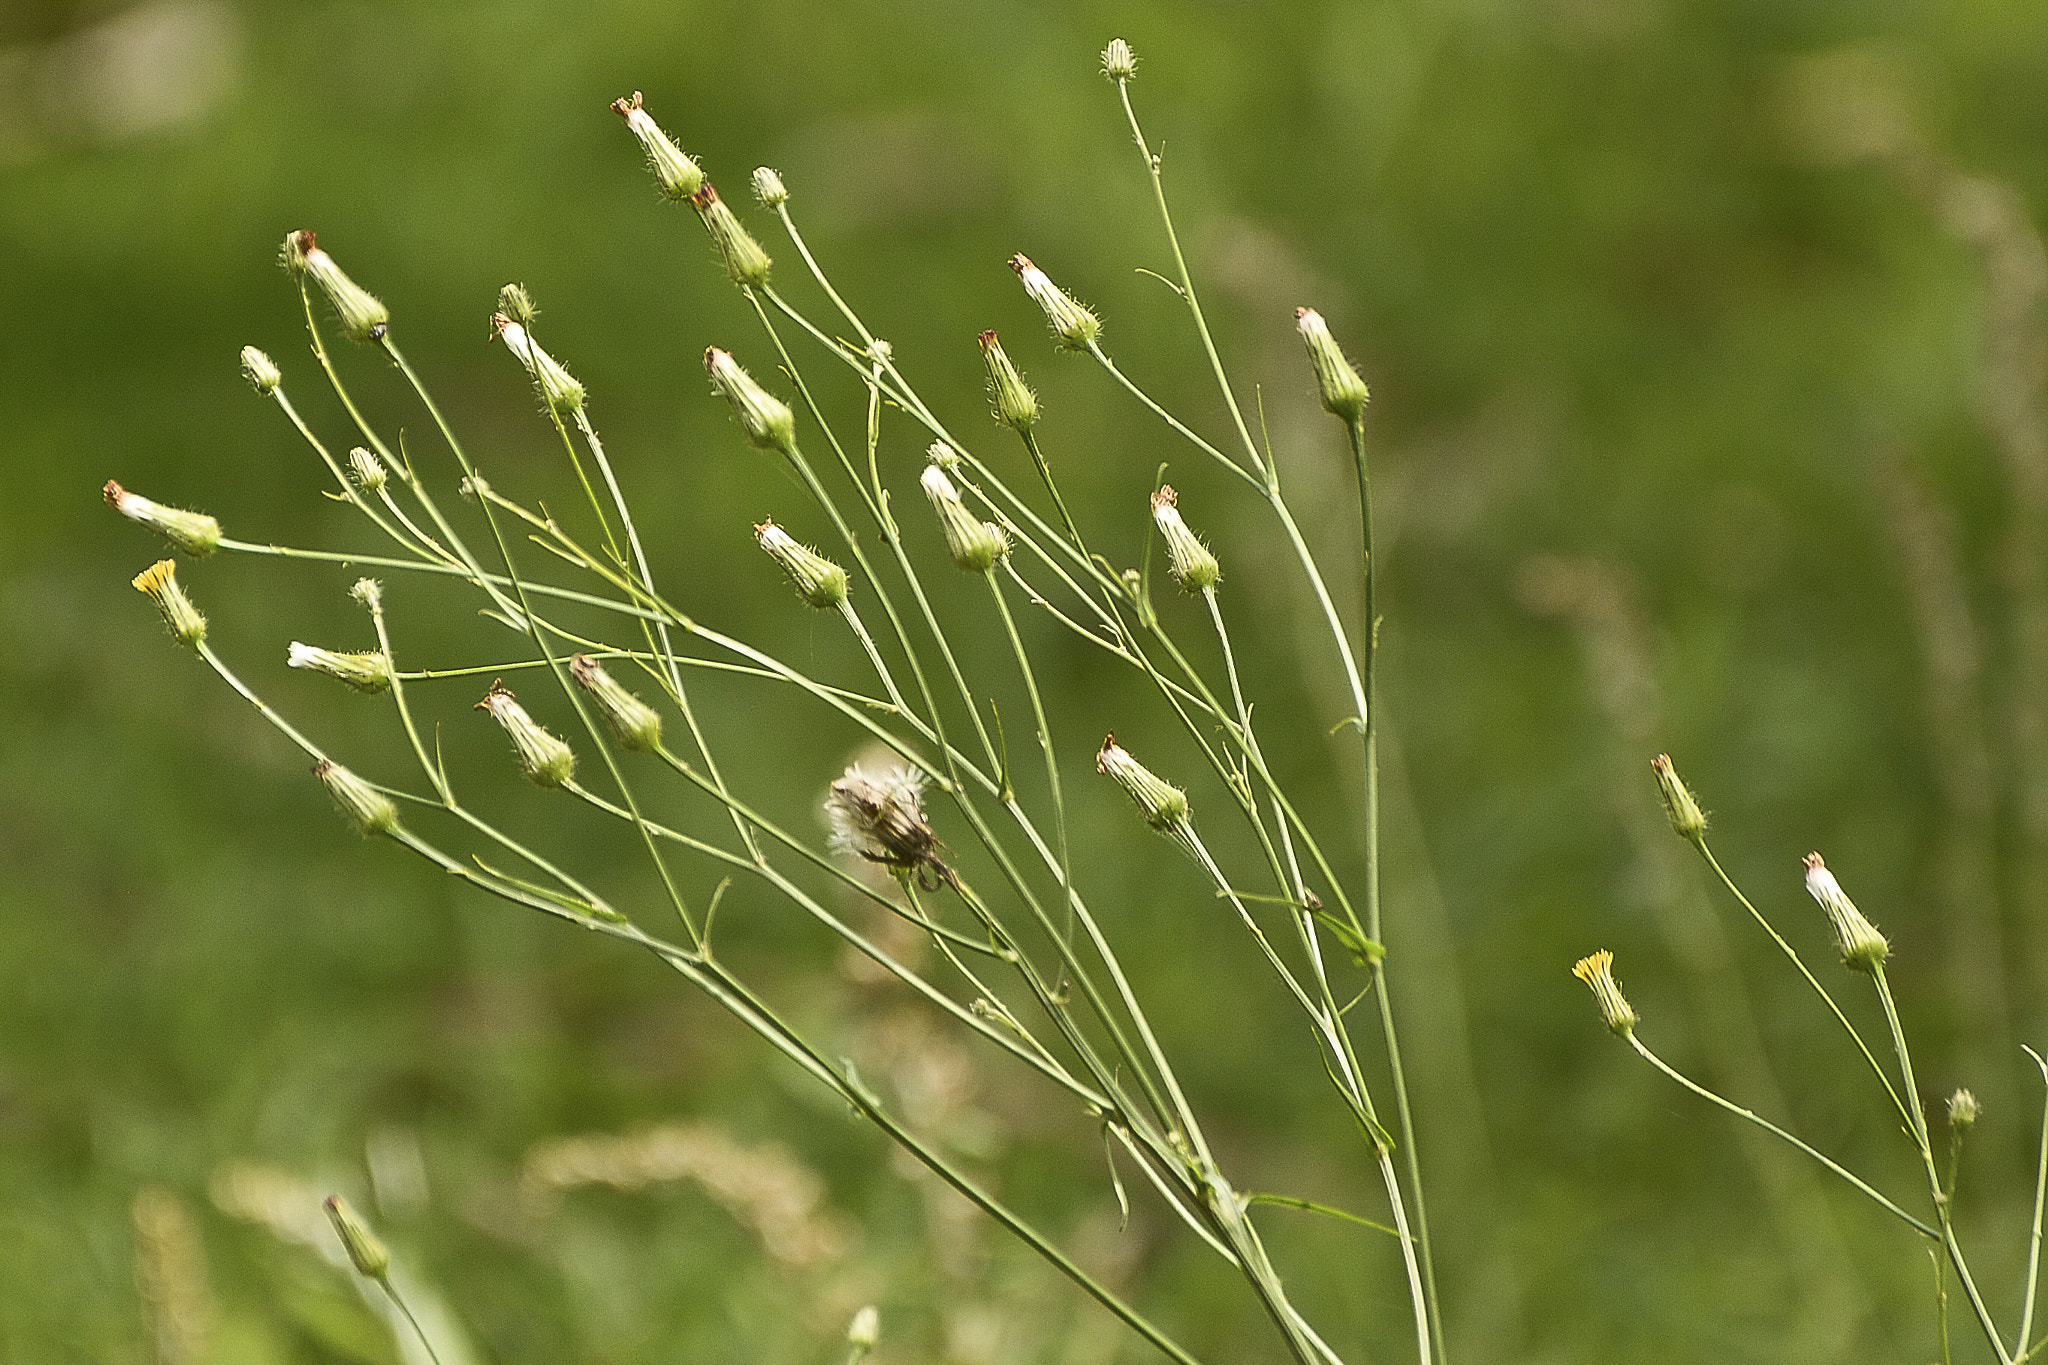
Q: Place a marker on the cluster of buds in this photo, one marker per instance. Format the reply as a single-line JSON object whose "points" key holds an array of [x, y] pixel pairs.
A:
{"points": [[159, 582], [678, 175], [1863, 947], [546, 759], [974, 544], [362, 317], [559, 389], [368, 809], [1016, 406], [1164, 806], [1343, 392], [765, 419], [633, 723], [1191, 563], [193, 532], [1072, 324], [368, 671], [1597, 971], [816, 579]]}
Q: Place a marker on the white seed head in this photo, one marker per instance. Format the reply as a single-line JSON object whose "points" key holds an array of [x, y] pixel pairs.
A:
{"points": [[1164, 806], [879, 815], [768, 187], [260, 370], [1962, 1111], [817, 579], [1118, 62], [865, 1329], [558, 388]]}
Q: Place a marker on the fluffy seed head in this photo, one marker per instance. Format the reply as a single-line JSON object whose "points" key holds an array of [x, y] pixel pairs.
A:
{"points": [[974, 544], [159, 582], [368, 809], [633, 723], [879, 816], [1016, 406], [865, 1329], [361, 316], [546, 759], [1190, 562], [678, 175], [1072, 324], [765, 418], [746, 261], [1597, 971], [817, 579], [1343, 392], [1863, 947], [195, 533]]}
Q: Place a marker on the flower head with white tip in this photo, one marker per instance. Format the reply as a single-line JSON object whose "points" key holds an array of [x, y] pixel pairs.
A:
{"points": [[1863, 947]]}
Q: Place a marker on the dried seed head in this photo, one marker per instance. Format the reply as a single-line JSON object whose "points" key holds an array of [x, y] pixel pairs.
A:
{"points": [[1164, 806], [362, 317], [1597, 971], [880, 816], [558, 388], [1074, 325], [1962, 1111], [768, 187], [1187, 558], [368, 1253], [260, 370], [817, 579], [368, 809], [195, 533], [515, 303], [1016, 406], [678, 175], [745, 259], [1863, 948], [633, 723], [1118, 62], [765, 418], [369, 592], [368, 470], [368, 671], [546, 759], [1687, 818], [160, 583], [974, 544], [1343, 392]]}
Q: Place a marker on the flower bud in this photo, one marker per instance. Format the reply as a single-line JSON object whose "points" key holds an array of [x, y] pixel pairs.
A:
{"points": [[943, 456], [260, 370], [368, 809], [1687, 819], [1187, 558], [362, 317], [1118, 62], [368, 671], [368, 470], [677, 174], [1016, 406], [546, 759], [974, 544], [765, 418], [195, 533], [369, 592], [633, 723], [1962, 1111], [1862, 946], [515, 303], [364, 1248], [745, 260], [1164, 806], [558, 388], [160, 582], [817, 579], [1344, 393], [1074, 325], [768, 187], [865, 1330], [1597, 971]]}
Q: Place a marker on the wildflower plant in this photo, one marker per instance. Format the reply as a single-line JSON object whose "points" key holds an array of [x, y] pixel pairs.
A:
{"points": [[1028, 965]]}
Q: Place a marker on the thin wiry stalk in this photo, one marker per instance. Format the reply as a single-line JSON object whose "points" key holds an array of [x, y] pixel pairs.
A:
{"points": [[2034, 1230]]}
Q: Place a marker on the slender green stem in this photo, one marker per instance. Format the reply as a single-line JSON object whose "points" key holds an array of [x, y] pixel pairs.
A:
{"points": [[391, 1290], [1288, 1201], [2034, 1230]]}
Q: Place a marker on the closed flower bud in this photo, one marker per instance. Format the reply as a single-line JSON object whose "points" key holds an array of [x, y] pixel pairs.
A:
{"points": [[677, 174], [817, 579], [1962, 1111], [1118, 62], [1343, 392], [362, 317], [160, 582], [1862, 946], [260, 370], [1687, 818], [942, 455], [193, 532], [768, 187], [546, 759], [633, 723], [1597, 971], [515, 303], [745, 260], [1164, 806], [368, 470], [1187, 558], [765, 418], [368, 671], [368, 809], [558, 388], [1016, 406], [1074, 325], [364, 1248], [865, 1330], [974, 544]]}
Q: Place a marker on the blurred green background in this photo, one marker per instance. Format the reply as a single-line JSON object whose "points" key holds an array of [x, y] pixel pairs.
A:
{"points": [[1706, 345]]}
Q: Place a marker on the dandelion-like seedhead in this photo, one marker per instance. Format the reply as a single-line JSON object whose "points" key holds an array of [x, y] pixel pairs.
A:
{"points": [[878, 815]]}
